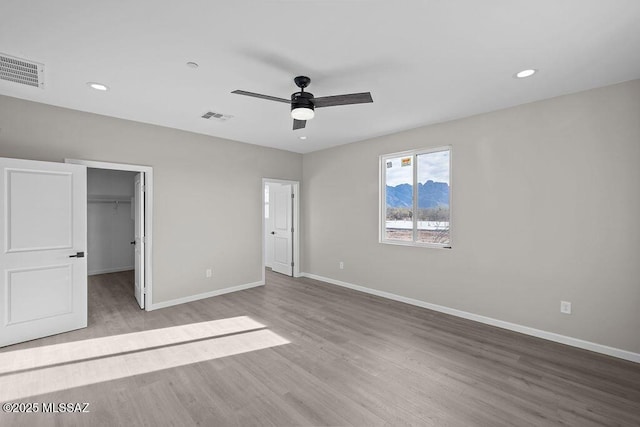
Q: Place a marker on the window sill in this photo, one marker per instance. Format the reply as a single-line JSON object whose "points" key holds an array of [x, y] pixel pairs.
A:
{"points": [[415, 244]]}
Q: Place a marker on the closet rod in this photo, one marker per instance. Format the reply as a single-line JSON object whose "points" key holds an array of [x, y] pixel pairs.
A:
{"points": [[107, 201]]}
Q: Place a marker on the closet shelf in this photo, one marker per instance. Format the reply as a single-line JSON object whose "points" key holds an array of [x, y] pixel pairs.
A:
{"points": [[108, 199]]}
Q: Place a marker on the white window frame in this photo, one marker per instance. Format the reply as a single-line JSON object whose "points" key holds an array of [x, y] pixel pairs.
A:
{"points": [[383, 198]]}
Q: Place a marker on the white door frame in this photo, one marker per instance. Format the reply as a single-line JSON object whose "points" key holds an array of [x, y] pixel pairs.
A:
{"points": [[148, 216], [295, 186]]}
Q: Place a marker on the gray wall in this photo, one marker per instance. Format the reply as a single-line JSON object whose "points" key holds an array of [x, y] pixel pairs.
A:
{"points": [[201, 185], [110, 225], [545, 205]]}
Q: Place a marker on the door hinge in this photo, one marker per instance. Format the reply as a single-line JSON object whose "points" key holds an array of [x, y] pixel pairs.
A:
{"points": [[292, 229], [293, 195], [291, 263]]}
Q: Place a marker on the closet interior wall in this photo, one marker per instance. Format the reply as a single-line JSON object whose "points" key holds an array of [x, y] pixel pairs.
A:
{"points": [[110, 224]]}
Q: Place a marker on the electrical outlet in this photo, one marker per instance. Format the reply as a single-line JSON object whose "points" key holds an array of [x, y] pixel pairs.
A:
{"points": [[341, 265], [565, 307], [209, 272]]}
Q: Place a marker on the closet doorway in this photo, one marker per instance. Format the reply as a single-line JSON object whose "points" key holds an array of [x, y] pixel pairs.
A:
{"points": [[119, 222]]}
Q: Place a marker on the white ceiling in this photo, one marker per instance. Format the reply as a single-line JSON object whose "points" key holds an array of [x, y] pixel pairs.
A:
{"points": [[423, 61]]}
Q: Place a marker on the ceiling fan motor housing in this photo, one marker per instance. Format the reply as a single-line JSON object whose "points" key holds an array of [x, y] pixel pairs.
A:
{"points": [[302, 100]]}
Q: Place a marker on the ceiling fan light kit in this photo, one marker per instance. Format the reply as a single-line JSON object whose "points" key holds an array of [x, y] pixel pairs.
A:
{"points": [[302, 113], [303, 104]]}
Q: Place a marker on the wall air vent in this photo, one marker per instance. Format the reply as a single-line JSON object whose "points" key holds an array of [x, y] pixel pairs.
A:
{"points": [[21, 71], [218, 116]]}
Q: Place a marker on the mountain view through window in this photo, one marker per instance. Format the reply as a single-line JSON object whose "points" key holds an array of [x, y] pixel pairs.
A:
{"points": [[420, 216]]}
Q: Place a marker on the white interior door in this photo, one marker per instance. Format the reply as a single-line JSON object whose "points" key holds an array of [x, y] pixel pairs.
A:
{"points": [[138, 203], [43, 234], [268, 226], [280, 197]]}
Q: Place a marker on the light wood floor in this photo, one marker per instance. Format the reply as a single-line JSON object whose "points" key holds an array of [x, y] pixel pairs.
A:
{"points": [[325, 356]]}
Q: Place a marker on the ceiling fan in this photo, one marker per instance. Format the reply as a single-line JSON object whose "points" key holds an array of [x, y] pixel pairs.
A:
{"points": [[303, 103]]}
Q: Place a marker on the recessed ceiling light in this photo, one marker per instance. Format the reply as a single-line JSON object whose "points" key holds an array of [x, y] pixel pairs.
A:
{"points": [[302, 137], [526, 73], [192, 64], [97, 86]]}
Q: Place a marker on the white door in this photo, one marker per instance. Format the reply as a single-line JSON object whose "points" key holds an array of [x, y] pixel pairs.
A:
{"points": [[268, 226], [281, 198], [43, 235], [138, 203]]}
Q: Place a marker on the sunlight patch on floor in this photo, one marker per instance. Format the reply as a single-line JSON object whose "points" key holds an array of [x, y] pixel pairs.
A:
{"points": [[30, 358], [170, 348]]}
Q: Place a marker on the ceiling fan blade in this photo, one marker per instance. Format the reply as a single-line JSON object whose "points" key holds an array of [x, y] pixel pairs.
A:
{"points": [[352, 98], [257, 95], [299, 124]]}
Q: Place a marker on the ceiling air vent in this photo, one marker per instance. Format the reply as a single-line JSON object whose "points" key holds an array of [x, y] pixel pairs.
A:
{"points": [[21, 71], [218, 116]]}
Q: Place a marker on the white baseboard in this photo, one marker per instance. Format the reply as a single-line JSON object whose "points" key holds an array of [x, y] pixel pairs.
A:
{"points": [[215, 293], [551, 336], [110, 270]]}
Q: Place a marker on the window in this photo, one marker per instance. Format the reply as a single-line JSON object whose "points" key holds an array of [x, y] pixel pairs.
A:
{"points": [[415, 198]]}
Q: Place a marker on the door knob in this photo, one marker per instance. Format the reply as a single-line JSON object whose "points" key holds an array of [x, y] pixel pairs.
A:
{"points": [[77, 255], [273, 232], [133, 243]]}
